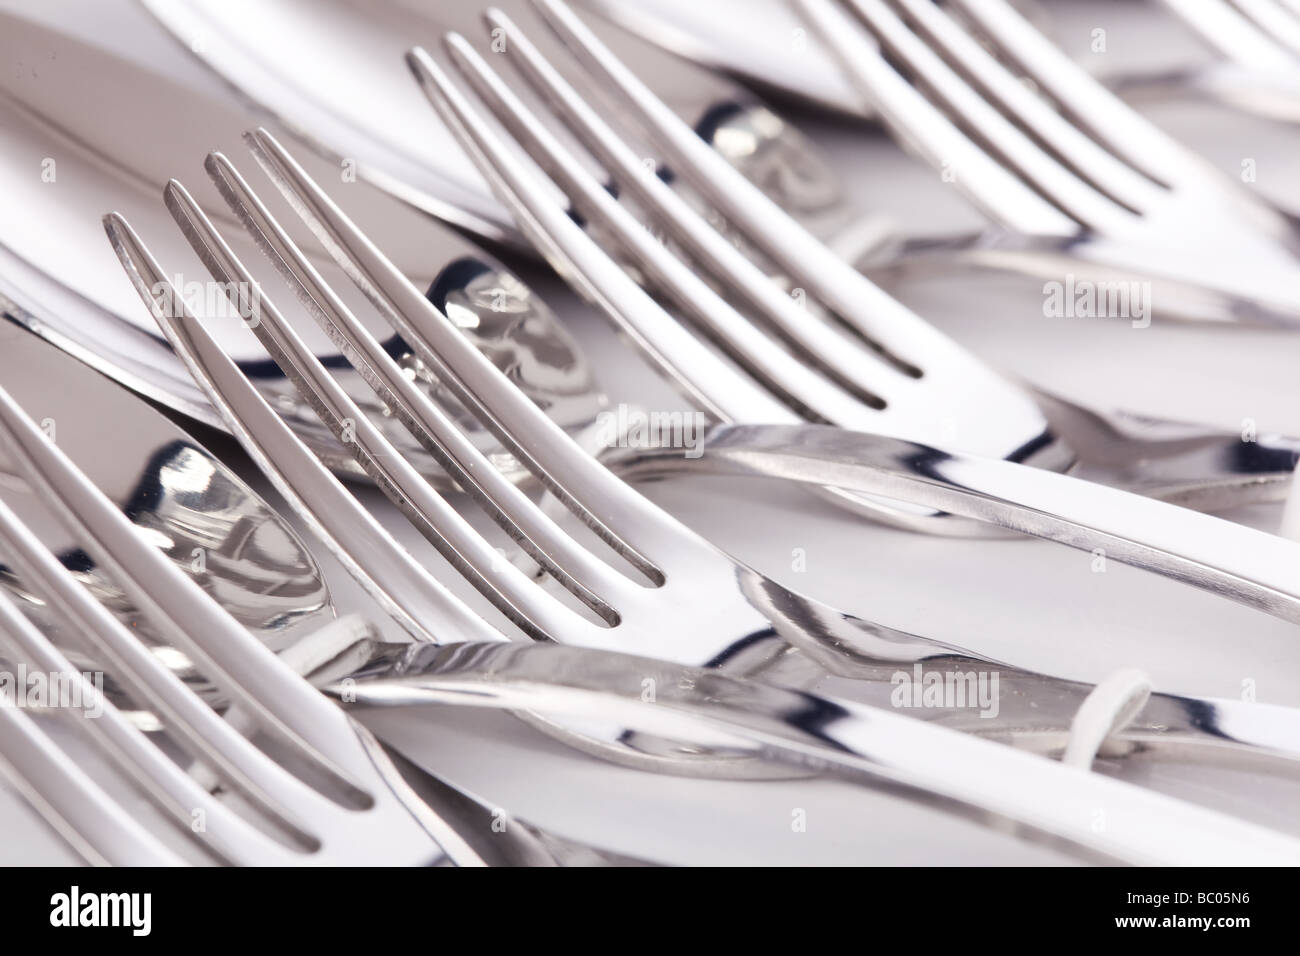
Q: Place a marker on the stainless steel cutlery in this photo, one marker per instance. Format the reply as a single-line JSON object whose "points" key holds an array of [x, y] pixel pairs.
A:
{"points": [[1074, 174], [873, 365], [280, 70], [175, 492], [650, 602], [313, 786], [57, 278], [212, 692]]}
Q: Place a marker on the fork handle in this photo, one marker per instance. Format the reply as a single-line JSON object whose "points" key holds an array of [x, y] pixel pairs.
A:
{"points": [[1096, 814], [1252, 567], [1035, 713]]}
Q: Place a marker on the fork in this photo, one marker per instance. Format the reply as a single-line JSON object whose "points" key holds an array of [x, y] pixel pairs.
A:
{"points": [[845, 376], [1257, 74], [1092, 186], [1118, 455], [104, 830], [1262, 35], [327, 793], [579, 682], [672, 596]]}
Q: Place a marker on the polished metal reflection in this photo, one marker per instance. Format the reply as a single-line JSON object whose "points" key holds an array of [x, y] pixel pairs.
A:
{"points": [[362, 810], [688, 602], [1259, 71], [179, 497], [1075, 179], [1195, 466], [522, 337], [57, 278], [1185, 464], [273, 51], [838, 737]]}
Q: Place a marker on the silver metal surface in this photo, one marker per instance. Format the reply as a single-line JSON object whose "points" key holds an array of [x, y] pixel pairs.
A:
{"points": [[763, 43], [778, 51], [811, 378], [1261, 35], [332, 72], [355, 808], [774, 51], [65, 157], [377, 818], [684, 600], [831, 736], [634, 615], [370, 814], [309, 786], [1258, 72], [1089, 187], [179, 497], [842, 378], [879, 367], [783, 56]]}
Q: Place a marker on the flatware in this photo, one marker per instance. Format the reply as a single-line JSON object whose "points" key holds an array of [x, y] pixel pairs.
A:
{"points": [[362, 810], [783, 56], [332, 73], [875, 366], [1091, 188], [177, 495], [668, 594], [320, 790], [57, 278], [581, 682], [1258, 69], [1261, 35]]}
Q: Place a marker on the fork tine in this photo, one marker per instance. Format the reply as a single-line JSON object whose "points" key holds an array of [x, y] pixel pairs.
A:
{"points": [[1104, 116], [927, 132], [151, 683], [591, 580], [767, 362], [347, 824], [1228, 31], [250, 674], [400, 584], [518, 597], [1068, 145], [715, 385], [64, 794], [628, 523], [994, 132], [1277, 20], [79, 809], [360, 543], [842, 357], [799, 254], [849, 295], [184, 713]]}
